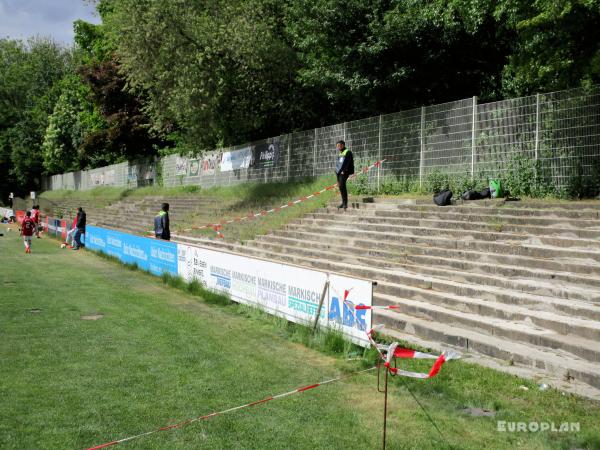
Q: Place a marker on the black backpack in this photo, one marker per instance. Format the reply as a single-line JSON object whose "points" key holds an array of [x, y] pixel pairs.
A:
{"points": [[471, 195], [443, 198]]}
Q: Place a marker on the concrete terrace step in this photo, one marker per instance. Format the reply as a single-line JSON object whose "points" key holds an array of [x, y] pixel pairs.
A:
{"points": [[548, 235], [387, 259], [437, 288], [563, 367], [499, 209], [583, 270], [590, 229], [542, 329], [583, 256]]}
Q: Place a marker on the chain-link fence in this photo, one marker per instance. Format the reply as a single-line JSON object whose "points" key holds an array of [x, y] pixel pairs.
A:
{"points": [[555, 135]]}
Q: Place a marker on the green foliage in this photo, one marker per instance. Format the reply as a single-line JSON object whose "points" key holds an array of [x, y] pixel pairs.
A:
{"points": [[29, 87], [219, 70], [73, 119]]}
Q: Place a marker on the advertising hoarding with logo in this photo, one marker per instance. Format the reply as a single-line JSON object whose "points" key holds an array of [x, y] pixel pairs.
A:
{"points": [[284, 290]]}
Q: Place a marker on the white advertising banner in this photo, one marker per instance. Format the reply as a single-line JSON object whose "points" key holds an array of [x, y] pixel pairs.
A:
{"points": [[239, 159], [284, 290], [181, 166]]}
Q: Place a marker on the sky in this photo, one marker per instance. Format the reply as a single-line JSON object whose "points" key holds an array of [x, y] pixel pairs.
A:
{"points": [[21, 19]]}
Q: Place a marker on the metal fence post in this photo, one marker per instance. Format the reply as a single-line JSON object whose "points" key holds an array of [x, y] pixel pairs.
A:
{"points": [[473, 133], [314, 154], [537, 125], [287, 164], [345, 128], [379, 152], [422, 153]]}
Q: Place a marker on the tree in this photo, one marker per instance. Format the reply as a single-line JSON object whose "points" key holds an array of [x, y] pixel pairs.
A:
{"points": [[28, 77], [74, 118], [557, 45], [217, 71]]}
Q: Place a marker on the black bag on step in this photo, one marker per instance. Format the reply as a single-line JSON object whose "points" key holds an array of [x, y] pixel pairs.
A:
{"points": [[471, 195], [486, 193], [443, 198]]}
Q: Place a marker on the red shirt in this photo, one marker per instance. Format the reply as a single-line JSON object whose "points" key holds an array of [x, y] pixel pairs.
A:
{"points": [[27, 226], [35, 215]]}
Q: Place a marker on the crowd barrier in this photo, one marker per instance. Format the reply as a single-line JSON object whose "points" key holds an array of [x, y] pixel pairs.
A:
{"points": [[284, 290]]}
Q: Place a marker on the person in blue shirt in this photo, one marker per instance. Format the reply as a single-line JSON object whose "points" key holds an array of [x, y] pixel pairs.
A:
{"points": [[344, 167]]}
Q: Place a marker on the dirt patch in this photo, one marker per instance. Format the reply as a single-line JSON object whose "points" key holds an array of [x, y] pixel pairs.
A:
{"points": [[35, 311], [479, 412], [92, 317]]}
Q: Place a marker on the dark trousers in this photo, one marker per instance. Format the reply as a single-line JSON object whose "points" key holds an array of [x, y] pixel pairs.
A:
{"points": [[342, 185], [77, 238]]}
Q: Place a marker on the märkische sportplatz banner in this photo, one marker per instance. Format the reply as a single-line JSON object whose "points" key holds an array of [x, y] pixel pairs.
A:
{"points": [[238, 159], [284, 290]]}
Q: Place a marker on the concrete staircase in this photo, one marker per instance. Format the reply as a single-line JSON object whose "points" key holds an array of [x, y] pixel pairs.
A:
{"points": [[136, 215], [515, 285]]}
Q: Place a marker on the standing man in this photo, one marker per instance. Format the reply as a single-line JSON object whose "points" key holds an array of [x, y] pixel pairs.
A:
{"points": [[27, 229], [161, 223], [35, 216], [344, 167], [80, 225]]}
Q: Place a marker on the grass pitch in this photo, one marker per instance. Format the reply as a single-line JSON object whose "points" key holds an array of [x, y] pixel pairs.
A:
{"points": [[159, 355]]}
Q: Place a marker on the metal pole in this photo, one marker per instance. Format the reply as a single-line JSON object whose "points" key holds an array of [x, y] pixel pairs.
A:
{"points": [[473, 133], [287, 169], [379, 152], [385, 395], [422, 138], [315, 154], [537, 125], [345, 128], [325, 287]]}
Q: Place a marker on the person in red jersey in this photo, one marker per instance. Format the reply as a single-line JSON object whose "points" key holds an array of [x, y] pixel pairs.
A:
{"points": [[35, 216], [27, 229]]}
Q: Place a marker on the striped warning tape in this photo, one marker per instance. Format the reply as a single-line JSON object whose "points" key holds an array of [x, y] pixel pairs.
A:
{"points": [[388, 352], [230, 410], [217, 226]]}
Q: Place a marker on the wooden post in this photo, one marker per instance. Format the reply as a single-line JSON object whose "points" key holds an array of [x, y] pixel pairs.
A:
{"points": [[325, 287]]}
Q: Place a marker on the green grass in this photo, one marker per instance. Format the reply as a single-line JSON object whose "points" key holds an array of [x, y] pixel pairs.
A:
{"points": [[161, 354]]}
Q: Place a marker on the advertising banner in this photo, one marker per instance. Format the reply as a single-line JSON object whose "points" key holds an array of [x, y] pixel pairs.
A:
{"points": [[149, 254], [266, 154], [239, 159], [209, 164], [284, 290], [181, 166], [19, 215], [194, 168]]}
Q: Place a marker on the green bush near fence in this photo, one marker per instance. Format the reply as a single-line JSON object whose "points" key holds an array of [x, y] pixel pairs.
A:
{"points": [[523, 177]]}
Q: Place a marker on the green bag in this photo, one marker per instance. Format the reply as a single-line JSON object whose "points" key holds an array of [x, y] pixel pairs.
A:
{"points": [[496, 189]]}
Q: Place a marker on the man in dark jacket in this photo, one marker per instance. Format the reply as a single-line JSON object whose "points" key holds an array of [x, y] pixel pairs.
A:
{"points": [[161, 224], [344, 167], [80, 225]]}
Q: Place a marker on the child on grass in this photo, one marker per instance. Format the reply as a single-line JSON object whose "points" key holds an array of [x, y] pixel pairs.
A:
{"points": [[28, 227]]}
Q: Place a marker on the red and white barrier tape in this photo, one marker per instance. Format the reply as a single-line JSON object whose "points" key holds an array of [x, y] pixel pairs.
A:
{"points": [[236, 408], [389, 352], [217, 226]]}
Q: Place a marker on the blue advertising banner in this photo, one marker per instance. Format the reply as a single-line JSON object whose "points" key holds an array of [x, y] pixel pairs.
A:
{"points": [[149, 254]]}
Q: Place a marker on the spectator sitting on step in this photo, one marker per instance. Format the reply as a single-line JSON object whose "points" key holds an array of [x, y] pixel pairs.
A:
{"points": [[161, 224]]}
